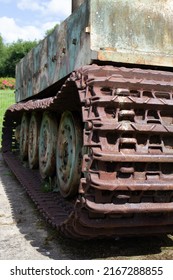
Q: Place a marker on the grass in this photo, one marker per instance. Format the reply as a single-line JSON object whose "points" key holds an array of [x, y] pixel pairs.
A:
{"points": [[7, 98]]}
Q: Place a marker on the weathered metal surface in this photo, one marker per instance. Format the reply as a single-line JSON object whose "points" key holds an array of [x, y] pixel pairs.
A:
{"points": [[69, 154], [76, 4], [123, 31], [55, 57], [23, 139], [130, 191], [47, 144], [133, 31], [130, 208], [33, 140]]}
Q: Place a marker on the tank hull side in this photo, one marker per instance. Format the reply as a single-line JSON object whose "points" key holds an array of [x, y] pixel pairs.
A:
{"points": [[55, 57], [138, 32]]}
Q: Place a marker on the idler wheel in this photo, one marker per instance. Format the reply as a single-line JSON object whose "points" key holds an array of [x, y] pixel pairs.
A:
{"points": [[47, 145], [68, 154], [34, 130], [23, 139]]}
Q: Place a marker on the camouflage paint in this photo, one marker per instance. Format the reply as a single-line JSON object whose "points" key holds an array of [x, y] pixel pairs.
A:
{"points": [[124, 31], [56, 56]]}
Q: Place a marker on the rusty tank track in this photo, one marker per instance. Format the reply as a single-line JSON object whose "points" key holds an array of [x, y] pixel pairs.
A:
{"points": [[126, 187]]}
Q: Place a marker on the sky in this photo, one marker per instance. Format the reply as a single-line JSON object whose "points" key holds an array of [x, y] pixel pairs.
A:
{"points": [[30, 19]]}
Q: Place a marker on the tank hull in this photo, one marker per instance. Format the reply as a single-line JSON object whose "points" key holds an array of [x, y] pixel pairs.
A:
{"points": [[98, 133], [131, 32]]}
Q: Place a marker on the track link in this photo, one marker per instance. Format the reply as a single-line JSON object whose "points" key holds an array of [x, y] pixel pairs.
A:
{"points": [[126, 187]]}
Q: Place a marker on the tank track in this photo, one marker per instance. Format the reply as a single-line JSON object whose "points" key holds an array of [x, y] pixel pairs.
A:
{"points": [[126, 186]]}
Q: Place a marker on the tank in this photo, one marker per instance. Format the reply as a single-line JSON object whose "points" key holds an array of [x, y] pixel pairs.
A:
{"points": [[91, 134]]}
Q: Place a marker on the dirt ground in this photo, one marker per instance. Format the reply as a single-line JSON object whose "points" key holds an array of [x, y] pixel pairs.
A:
{"points": [[25, 235]]}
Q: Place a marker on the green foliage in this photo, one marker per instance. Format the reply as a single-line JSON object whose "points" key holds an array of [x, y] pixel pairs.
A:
{"points": [[12, 54], [7, 83], [49, 31], [2, 54]]}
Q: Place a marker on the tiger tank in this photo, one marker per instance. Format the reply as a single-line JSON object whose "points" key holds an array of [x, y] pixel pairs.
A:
{"points": [[90, 136]]}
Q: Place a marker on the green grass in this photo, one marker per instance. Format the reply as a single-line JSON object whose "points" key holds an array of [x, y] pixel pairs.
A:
{"points": [[7, 98]]}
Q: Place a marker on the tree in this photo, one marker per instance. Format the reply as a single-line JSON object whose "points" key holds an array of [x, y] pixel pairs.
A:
{"points": [[15, 51], [49, 31], [2, 55], [11, 54], [1, 47]]}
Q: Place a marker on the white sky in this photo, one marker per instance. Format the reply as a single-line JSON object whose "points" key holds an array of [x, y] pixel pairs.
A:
{"points": [[30, 19]]}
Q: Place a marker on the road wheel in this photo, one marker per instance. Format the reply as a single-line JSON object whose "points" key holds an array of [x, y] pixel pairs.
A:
{"points": [[47, 145], [68, 154], [23, 139], [34, 130]]}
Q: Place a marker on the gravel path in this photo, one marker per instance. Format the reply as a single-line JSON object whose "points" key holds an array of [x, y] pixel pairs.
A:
{"points": [[22, 232], [25, 235]]}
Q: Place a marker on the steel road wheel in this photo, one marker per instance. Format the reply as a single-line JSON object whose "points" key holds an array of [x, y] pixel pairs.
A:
{"points": [[47, 145], [34, 130], [68, 154], [23, 141]]}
